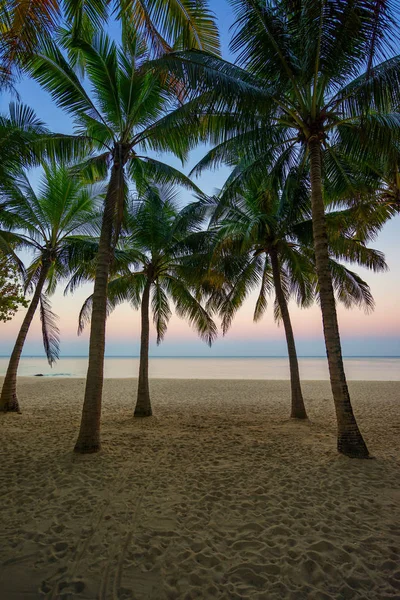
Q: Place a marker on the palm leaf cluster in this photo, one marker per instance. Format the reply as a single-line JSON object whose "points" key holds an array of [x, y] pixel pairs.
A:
{"points": [[153, 250], [25, 26]]}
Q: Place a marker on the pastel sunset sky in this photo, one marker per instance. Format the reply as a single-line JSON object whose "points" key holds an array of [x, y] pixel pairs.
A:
{"points": [[375, 334]]}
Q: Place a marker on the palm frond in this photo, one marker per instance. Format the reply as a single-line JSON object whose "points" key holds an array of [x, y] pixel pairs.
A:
{"points": [[146, 171], [188, 307], [351, 290], [101, 60], [56, 76], [50, 330], [182, 23], [85, 314], [161, 310], [265, 290]]}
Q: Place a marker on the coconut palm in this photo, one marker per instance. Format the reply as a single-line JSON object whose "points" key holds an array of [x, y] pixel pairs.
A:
{"points": [[127, 112], [296, 96], [257, 225], [157, 249], [51, 223], [164, 24], [269, 227]]}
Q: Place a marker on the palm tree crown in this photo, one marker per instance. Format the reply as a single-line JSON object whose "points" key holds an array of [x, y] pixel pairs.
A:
{"points": [[53, 222], [123, 115], [158, 246], [260, 221]]}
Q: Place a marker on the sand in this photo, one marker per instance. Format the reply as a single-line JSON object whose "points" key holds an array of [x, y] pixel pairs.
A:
{"points": [[218, 496]]}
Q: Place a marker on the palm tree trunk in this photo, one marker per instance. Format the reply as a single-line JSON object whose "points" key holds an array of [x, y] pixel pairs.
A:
{"points": [[350, 440], [89, 434], [9, 399], [298, 410], [143, 405]]}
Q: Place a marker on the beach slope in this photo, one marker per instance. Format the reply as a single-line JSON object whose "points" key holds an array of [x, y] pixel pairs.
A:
{"points": [[218, 496]]}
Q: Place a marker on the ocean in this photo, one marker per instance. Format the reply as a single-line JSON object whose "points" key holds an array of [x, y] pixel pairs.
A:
{"points": [[357, 368]]}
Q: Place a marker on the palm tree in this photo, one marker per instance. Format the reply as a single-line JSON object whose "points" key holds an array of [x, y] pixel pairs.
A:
{"points": [[257, 224], [297, 96], [157, 249], [127, 112], [268, 226], [164, 24], [50, 223]]}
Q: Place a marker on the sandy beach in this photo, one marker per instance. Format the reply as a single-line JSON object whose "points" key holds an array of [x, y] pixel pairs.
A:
{"points": [[218, 496]]}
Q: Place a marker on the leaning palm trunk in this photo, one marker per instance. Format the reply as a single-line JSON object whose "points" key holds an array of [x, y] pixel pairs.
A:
{"points": [[350, 440], [89, 433], [9, 399], [143, 405], [298, 410]]}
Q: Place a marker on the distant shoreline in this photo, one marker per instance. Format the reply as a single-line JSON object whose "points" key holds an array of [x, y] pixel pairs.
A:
{"points": [[214, 380], [213, 367], [208, 357]]}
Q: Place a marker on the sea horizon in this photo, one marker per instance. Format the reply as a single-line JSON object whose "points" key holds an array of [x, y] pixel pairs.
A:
{"points": [[152, 356], [361, 368]]}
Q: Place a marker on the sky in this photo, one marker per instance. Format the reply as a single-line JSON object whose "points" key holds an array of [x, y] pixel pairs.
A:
{"points": [[374, 334]]}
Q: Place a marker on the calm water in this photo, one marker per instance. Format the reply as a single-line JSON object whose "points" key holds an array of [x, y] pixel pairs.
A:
{"points": [[377, 369]]}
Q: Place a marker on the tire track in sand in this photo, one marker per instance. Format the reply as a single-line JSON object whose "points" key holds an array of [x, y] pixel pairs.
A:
{"points": [[67, 580], [117, 558]]}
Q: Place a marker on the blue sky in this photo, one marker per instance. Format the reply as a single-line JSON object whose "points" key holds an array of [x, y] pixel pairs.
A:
{"points": [[374, 334]]}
